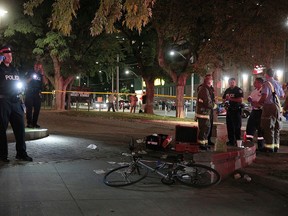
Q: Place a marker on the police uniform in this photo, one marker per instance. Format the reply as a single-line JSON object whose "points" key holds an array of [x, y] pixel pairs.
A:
{"points": [[270, 119], [204, 112], [33, 97], [233, 116], [11, 110], [254, 120]]}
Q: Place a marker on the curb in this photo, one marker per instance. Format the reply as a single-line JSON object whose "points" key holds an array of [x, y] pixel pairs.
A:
{"points": [[30, 134], [226, 163]]}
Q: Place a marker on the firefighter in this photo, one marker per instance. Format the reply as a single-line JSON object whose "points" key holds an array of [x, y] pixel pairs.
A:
{"points": [[253, 122], [233, 97], [271, 108], [204, 111]]}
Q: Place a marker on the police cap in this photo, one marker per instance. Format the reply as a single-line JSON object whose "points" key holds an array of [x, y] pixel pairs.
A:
{"points": [[5, 49]]}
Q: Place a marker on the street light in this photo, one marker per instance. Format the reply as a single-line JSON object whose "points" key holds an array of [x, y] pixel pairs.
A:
{"points": [[128, 71], [117, 82], [173, 52], [2, 14], [279, 75], [79, 80]]}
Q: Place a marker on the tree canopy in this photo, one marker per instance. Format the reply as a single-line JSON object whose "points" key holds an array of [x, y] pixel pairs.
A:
{"points": [[225, 35]]}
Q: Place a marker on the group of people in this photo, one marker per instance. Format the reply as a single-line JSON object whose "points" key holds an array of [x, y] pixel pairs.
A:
{"points": [[133, 99], [264, 118], [13, 106]]}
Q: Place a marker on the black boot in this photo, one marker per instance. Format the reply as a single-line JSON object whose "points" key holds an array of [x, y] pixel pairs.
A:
{"points": [[260, 144]]}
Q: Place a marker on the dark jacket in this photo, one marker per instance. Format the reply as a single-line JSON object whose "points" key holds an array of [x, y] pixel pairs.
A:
{"points": [[205, 102]]}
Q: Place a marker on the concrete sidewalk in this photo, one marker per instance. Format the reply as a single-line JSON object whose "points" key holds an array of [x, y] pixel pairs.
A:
{"points": [[66, 176], [263, 169]]}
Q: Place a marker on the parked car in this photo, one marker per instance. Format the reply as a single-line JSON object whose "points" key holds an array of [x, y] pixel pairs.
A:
{"points": [[124, 104], [99, 105], [246, 110]]}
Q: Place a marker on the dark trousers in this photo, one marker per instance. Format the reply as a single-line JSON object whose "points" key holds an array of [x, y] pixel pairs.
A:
{"points": [[270, 124], [234, 123], [211, 127], [111, 105], [253, 124], [204, 126], [33, 105], [12, 112]]}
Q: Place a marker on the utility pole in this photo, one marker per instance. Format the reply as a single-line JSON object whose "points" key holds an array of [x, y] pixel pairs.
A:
{"points": [[117, 83]]}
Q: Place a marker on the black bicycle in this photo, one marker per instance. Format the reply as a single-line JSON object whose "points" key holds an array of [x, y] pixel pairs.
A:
{"points": [[187, 173]]}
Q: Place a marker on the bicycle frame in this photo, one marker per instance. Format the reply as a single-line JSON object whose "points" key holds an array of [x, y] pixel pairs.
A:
{"points": [[190, 174], [156, 169]]}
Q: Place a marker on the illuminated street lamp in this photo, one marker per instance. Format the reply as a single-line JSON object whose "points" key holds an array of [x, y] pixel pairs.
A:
{"points": [[279, 75], [79, 80], [128, 72], [225, 82], [173, 52], [2, 14]]}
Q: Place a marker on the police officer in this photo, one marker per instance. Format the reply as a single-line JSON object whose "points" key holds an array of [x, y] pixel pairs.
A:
{"points": [[270, 118], [11, 109], [204, 111], [34, 82], [233, 97], [254, 120]]}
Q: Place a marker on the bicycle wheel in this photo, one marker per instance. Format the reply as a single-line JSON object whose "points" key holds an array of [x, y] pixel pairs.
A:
{"points": [[125, 175], [197, 175]]}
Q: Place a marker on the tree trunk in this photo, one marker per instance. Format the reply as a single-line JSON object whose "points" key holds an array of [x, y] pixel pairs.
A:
{"points": [[60, 84], [149, 108], [68, 101], [180, 85], [178, 80]]}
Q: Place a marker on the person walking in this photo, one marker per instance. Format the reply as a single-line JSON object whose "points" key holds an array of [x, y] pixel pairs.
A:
{"points": [[233, 97], [11, 109], [133, 103], [33, 96], [204, 111], [271, 108], [254, 119], [111, 101]]}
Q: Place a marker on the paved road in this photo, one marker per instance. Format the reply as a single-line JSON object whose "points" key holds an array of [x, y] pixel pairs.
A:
{"points": [[221, 119], [66, 178]]}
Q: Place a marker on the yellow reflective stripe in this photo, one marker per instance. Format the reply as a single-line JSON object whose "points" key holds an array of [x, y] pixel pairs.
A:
{"points": [[202, 116], [260, 138], [270, 146], [277, 146], [203, 142], [249, 136]]}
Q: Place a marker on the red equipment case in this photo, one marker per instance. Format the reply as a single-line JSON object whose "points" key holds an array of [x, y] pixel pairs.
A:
{"points": [[158, 142], [186, 139]]}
